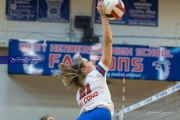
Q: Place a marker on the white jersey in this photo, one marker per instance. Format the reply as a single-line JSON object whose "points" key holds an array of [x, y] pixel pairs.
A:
{"points": [[96, 93]]}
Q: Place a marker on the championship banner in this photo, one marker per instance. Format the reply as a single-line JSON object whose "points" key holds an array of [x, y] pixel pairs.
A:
{"points": [[21, 10], [54, 11], [137, 13], [134, 62], [143, 12]]}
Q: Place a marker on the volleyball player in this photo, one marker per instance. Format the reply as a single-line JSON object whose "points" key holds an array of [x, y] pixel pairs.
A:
{"points": [[93, 95]]}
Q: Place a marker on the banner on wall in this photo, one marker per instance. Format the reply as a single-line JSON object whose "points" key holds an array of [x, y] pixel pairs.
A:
{"points": [[54, 11], [134, 62], [137, 12], [38, 10], [21, 10], [143, 12]]}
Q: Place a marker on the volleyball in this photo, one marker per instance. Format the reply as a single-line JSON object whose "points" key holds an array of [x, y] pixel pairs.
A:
{"points": [[114, 9]]}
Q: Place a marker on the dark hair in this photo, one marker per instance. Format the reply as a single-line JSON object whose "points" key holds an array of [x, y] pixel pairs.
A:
{"points": [[72, 76], [45, 117]]}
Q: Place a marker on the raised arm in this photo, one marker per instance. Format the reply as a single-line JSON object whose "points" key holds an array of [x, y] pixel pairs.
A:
{"points": [[107, 36]]}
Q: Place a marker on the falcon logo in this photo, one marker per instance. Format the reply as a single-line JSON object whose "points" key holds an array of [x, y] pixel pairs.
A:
{"points": [[162, 66]]}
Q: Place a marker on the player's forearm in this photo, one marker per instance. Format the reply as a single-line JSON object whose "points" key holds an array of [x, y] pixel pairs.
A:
{"points": [[107, 34], [107, 42]]}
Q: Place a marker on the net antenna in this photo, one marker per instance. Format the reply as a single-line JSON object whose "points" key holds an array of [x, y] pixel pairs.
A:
{"points": [[121, 112]]}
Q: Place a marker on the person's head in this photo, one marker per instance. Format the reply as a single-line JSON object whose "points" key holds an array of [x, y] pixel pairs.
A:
{"points": [[74, 75], [88, 66], [47, 117]]}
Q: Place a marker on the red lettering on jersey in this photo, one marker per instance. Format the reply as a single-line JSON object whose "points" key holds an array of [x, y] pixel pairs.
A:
{"points": [[86, 95], [81, 104], [90, 97], [88, 88], [83, 93]]}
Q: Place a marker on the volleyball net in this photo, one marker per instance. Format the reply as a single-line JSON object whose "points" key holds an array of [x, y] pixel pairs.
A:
{"points": [[164, 105]]}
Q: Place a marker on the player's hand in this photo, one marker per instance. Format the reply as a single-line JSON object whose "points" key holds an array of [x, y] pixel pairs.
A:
{"points": [[101, 8]]}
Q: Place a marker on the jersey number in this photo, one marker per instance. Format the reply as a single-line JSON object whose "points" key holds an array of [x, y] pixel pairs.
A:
{"points": [[83, 93]]}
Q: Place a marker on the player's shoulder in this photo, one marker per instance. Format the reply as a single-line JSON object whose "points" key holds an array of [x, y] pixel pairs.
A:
{"points": [[101, 68], [98, 74]]}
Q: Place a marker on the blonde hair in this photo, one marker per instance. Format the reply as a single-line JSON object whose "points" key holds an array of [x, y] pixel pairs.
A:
{"points": [[72, 76], [45, 117]]}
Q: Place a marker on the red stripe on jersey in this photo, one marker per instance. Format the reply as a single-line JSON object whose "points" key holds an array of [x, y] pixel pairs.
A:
{"points": [[100, 69]]}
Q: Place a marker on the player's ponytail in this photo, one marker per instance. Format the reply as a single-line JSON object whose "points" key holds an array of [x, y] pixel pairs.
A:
{"points": [[72, 76], [45, 117]]}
